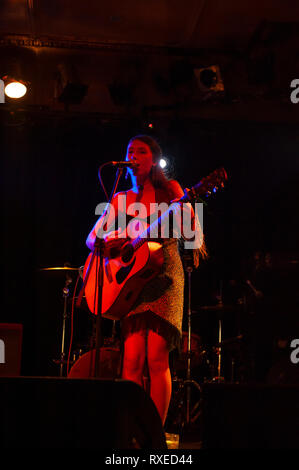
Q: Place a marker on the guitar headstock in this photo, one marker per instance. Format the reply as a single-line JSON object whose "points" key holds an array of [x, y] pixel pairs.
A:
{"points": [[208, 185]]}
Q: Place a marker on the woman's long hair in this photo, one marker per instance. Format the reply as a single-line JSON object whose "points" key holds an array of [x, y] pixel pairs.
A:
{"points": [[160, 180]]}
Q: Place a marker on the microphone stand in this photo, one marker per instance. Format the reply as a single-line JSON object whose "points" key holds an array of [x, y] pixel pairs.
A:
{"points": [[99, 245], [98, 255], [189, 381], [191, 413]]}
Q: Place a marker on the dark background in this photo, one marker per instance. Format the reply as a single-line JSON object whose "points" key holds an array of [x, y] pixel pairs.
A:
{"points": [[50, 190]]}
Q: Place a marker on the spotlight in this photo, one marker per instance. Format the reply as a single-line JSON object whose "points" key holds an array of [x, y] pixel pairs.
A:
{"points": [[14, 88], [209, 79], [163, 163]]}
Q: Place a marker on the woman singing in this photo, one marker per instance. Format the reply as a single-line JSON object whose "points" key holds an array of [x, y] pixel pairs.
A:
{"points": [[154, 325]]}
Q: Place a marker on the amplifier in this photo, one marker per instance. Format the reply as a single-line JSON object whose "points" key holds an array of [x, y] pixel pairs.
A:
{"points": [[10, 349]]}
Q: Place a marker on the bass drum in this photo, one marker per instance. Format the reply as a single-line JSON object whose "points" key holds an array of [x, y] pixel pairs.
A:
{"points": [[109, 364], [197, 352]]}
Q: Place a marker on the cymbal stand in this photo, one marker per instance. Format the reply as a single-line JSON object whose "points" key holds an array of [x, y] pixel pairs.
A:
{"points": [[65, 293], [188, 382], [219, 377]]}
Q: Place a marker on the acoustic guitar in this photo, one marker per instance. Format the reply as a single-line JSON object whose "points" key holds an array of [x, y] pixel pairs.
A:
{"points": [[139, 261]]}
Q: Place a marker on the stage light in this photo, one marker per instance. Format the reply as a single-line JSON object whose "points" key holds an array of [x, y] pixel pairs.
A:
{"points": [[163, 163], [15, 90], [150, 125], [209, 79]]}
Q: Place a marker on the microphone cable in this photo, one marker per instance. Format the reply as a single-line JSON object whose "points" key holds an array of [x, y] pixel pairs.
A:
{"points": [[101, 180]]}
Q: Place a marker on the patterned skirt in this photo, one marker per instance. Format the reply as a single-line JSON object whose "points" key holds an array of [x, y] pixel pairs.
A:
{"points": [[159, 306]]}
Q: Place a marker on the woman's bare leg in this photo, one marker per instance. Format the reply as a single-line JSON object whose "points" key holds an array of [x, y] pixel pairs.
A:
{"points": [[160, 377], [134, 357]]}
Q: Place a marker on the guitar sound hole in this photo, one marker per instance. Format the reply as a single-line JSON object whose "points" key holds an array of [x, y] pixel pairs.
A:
{"points": [[127, 253], [123, 273]]}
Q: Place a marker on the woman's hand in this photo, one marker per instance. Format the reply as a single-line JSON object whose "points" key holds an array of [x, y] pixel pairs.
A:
{"points": [[113, 242]]}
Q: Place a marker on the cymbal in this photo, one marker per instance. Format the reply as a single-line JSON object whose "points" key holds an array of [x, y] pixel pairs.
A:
{"points": [[64, 268], [229, 341]]}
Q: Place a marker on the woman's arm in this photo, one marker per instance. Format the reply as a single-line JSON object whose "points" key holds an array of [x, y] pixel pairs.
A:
{"points": [[105, 225], [187, 212], [199, 249]]}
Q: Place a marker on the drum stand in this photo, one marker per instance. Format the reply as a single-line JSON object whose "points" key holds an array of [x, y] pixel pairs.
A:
{"points": [[219, 378], [220, 308], [189, 382], [66, 293]]}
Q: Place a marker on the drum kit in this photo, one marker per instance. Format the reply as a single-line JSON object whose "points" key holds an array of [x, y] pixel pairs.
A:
{"points": [[205, 360], [80, 362], [217, 350], [201, 361]]}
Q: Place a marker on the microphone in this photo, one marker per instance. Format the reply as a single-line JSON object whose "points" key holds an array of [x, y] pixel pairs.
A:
{"points": [[124, 164], [117, 164]]}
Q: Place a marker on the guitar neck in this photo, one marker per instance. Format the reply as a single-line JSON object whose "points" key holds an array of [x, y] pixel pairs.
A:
{"points": [[204, 187]]}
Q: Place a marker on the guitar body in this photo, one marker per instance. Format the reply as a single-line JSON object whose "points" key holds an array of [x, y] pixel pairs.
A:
{"points": [[122, 281]]}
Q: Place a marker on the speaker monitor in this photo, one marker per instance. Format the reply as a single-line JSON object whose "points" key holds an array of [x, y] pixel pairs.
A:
{"points": [[40, 412], [10, 349]]}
